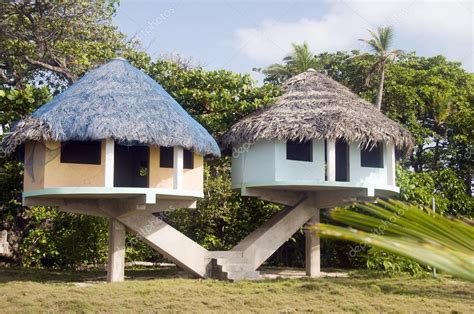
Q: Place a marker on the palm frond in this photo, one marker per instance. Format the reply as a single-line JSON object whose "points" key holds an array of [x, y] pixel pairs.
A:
{"points": [[442, 107], [408, 231], [374, 45], [385, 37]]}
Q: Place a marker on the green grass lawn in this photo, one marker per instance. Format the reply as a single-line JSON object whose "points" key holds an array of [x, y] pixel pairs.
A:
{"points": [[167, 290]]}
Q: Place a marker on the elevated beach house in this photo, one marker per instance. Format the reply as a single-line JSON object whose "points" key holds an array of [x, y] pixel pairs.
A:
{"points": [[318, 136], [318, 146], [114, 133]]}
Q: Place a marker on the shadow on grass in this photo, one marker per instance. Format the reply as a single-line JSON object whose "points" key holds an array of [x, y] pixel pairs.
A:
{"points": [[10, 274]]}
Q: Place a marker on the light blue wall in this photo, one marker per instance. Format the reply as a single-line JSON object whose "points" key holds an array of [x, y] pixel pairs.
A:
{"points": [[253, 164], [366, 176], [265, 164], [299, 171]]}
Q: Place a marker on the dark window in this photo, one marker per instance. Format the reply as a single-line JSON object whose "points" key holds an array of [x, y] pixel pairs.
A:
{"points": [[342, 160], [325, 160], [188, 159], [76, 152], [166, 157], [301, 151], [372, 156]]}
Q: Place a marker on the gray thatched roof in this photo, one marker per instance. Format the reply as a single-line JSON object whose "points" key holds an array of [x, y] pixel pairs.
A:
{"points": [[115, 101], [316, 107]]}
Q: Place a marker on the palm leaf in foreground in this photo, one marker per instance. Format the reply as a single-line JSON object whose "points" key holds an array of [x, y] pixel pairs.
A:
{"points": [[407, 230]]}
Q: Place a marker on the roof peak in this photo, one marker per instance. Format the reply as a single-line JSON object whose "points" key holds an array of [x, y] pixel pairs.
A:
{"points": [[120, 58]]}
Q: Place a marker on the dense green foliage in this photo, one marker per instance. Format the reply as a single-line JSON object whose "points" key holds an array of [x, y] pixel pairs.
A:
{"points": [[62, 240], [58, 40], [443, 185], [217, 99], [391, 264], [42, 51]]}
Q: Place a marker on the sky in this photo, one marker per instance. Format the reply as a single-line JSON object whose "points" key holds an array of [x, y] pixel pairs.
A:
{"points": [[242, 35]]}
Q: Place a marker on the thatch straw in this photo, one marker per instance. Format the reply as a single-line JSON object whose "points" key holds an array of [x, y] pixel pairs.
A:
{"points": [[317, 107], [115, 101]]}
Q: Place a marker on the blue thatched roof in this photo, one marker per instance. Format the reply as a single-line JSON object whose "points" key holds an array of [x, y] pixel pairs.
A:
{"points": [[115, 101]]}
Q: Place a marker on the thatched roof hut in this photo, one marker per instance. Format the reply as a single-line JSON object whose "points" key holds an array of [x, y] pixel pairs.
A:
{"points": [[316, 107], [118, 101]]}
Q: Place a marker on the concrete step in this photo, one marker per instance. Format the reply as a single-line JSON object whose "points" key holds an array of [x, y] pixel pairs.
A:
{"points": [[223, 269], [243, 275], [237, 267]]}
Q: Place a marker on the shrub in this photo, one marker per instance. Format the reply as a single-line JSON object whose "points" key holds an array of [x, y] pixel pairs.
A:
{"points": [[63, 240], [391, 264]]}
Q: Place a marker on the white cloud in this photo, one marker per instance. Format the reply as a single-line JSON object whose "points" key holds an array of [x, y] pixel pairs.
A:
{"points": [[427, 27]]}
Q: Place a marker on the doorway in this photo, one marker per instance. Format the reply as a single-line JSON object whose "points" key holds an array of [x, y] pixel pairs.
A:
{"points": [[342, 161], [131, 166]]}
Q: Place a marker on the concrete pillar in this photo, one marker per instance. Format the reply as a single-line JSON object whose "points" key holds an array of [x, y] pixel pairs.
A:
{"points": [[178, 168], [331, 160], [116, 256], [390, 162], [109, 163], [313, 249]]}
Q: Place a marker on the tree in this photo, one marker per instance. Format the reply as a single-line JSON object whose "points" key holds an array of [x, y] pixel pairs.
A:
{"points": [[58, 40], [300, 60], [217, 99], [380, 43], [443, 185], [442, 107]]}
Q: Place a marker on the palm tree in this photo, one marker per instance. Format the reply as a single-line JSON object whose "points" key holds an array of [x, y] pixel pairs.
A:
{"points": [[442, 108], [380, 43], [408, 231], [300, 60]]}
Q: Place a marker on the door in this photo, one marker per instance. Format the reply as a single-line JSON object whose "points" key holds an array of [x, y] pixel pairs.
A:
{"points": [[131, 166]]}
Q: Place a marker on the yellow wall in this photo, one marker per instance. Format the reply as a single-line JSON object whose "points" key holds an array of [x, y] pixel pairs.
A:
{"points": [[159, 177], [43, 169], [193, 178], [59, 174], [163, 177], [33, 178]]}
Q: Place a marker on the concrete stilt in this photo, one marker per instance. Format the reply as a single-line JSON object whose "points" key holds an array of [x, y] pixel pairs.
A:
{"points": [[116, 255], [259, 245], [313, 249]]}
